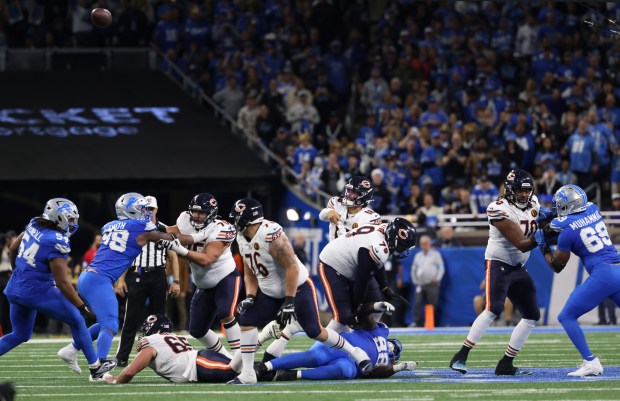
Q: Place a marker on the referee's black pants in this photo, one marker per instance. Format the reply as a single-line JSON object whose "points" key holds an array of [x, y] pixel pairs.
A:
{"points": [[148, 285]]}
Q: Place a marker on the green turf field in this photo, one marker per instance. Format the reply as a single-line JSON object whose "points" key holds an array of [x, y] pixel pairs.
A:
{"points": [[39, 374]]}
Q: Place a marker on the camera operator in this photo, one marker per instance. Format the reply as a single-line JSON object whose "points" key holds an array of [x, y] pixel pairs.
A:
{"points": [[6, 239]]}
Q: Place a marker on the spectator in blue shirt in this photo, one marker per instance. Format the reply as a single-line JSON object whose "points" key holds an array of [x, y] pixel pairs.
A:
{"points": [[337, 68], [605, 144], [431, 162], [583, 155], [304, 153], [482, 195], [433, 117], [167, 32], [610, 113]]}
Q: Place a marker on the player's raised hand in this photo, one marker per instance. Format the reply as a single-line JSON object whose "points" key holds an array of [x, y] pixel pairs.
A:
{"points": [[333, 217], [246, 304]]}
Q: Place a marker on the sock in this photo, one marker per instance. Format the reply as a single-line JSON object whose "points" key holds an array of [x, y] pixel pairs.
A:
{"points": [[518, 338], [235, 362], [277, 347], [336, 341], [338, 327], [268, 357], [574, 332], [233, 334], [104, 343], [248, 350], [212, 341]]}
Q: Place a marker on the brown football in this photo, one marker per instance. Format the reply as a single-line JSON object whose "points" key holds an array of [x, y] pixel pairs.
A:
{"points": [[101, 17]]}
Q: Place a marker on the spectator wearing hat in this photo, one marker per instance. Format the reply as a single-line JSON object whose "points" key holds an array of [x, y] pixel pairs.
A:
{"points": [[246, 119], [145, 280], [302, 115], [482, 195]]}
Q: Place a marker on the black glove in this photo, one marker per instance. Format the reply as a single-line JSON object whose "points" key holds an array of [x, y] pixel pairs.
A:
{"points": [[394, 298], [89, 316], [246, 304], [161, 227], [286, 313]]}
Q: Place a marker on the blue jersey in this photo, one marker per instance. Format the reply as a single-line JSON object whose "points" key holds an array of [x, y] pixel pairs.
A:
{"points": [[585, 235], [32, 271], [119, 247], [374, 342]]}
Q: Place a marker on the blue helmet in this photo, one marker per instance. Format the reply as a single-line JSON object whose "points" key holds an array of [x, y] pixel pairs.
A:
{"points": [[396, 349], [400, 236], [357, 192], [132, 206], [246, 211], [569, 199], [64, 213], [156, 324], [205, 203]]}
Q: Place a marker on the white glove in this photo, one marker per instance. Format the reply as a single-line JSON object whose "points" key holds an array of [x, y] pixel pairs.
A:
{"points": [[384, 307], [407, 365], [174, 246]]}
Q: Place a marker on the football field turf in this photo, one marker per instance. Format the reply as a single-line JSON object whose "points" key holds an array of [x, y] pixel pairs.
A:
{"points": [[40, 375]]}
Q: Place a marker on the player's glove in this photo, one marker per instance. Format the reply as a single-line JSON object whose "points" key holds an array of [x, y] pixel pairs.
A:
{"points": [[161, 227], [384, 307], [541, 240], [407, 365], [246, 304], [286, 313], [174, 245], [89, 316], [545, 214], [395, 299]]}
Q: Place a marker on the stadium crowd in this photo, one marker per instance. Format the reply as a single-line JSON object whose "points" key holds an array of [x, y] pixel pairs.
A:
{"points": [[435, 101]]}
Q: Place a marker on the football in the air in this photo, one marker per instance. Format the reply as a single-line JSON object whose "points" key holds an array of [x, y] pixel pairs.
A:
{"points": [[101, 17]]}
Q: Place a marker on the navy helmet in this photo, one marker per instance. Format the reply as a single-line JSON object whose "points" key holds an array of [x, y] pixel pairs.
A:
{"points": [[357, 192], [519, 180], [205, 203], [400, 237], [156, 324], [245, 212]]}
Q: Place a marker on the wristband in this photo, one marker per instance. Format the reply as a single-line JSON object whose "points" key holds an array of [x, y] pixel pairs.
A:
{"points": [[176, 282]]}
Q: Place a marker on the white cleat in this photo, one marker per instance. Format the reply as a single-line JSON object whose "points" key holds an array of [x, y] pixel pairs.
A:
{"points": [[69, 355], [588, 368], [292, 328], [272, 330], [244, 380]]}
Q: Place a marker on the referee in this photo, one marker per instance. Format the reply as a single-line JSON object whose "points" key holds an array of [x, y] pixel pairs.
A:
{"points": [[145, 280]]}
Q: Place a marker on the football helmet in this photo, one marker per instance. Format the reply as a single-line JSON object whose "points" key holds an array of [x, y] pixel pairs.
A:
{"points": [[569, 199], [133, 206], [64, 213], [396, 349], [206, 203], [357, 192], [518, 181], [401, 237], [156, 324], [246, 211]]}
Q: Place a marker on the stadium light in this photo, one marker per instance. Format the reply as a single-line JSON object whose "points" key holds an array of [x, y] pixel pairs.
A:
{"points": [[307, 216], [292, 214]]}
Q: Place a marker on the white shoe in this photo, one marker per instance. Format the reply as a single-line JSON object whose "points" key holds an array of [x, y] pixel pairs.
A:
{"points": [[247, 380], [69, 355], [588, 368], [272, 330]]}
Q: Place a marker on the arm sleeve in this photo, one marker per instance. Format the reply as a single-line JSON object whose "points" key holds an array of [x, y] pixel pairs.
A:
{"points": [[365, 267]]}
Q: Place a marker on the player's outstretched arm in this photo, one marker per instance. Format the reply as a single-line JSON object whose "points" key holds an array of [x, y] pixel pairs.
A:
{"points": [[142, 360], [512, 232], [557, 261]]}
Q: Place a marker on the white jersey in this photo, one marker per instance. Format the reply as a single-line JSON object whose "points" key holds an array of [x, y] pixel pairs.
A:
{"points": [[255, 253], [348, 221], [220, 230], [175, 359], [499, 248], [341, 254]]}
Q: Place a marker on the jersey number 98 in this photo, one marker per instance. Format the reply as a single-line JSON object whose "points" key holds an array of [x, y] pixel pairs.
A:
{"points": [[116, 240]]}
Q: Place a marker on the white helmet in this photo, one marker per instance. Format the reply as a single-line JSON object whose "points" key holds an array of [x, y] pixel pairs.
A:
{"points": [[64, 213], [132, 205]]}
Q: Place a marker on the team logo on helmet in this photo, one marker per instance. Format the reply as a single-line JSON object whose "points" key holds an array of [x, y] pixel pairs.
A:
{"points": [[511, 176], [213, 202], [365, 184], [402, 233], [239, 207], [534, 213]]}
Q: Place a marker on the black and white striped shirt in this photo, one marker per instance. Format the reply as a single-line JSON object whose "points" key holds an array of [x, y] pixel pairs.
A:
{"points": [[151, 257]]}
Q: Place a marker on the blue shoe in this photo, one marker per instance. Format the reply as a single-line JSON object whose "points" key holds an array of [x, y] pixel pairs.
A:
{"points": [[458, 363]]}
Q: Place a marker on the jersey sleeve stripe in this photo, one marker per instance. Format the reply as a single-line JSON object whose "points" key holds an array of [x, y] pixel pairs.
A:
{"points": [[374, 256]]}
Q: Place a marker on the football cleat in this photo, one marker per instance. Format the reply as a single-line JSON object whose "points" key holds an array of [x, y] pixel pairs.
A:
{"points": [[69, 355], [458, 363], [588, 368], [247, 381], [272, 330], [283, 375], [96, 374], [507, 369]]}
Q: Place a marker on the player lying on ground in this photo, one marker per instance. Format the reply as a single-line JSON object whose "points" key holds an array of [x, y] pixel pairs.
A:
{"points": [[582, 231], [327, 363], [173, 358]]}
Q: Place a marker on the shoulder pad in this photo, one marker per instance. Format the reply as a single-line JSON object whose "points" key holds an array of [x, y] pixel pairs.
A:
{"points": [[223, 231], [498, 209], [333, 201]]}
